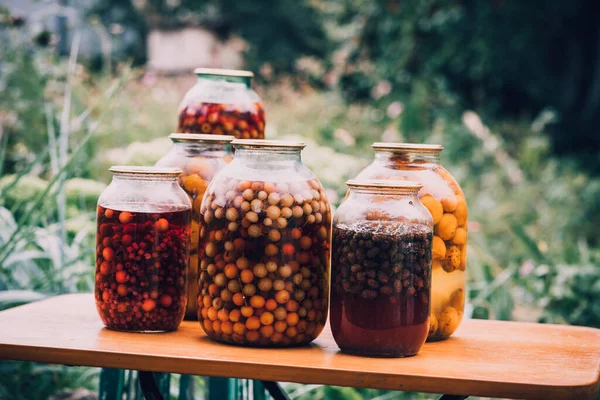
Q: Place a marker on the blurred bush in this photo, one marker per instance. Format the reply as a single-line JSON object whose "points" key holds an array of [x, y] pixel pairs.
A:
{"points": [[504, 59]]}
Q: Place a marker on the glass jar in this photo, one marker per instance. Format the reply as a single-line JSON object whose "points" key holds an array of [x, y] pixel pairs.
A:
{"points": [[381, 270], [142, 250], [446, 202], [222, 103], [264, 248], [200, 157]]}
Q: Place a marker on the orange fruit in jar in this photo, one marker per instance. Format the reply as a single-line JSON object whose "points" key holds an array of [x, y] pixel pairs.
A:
{"points": [[460, 237], [194, 184], [461, 212], [197, 203], [457, 300], [433, 324], [447, 227], [449, 203], [448, 321], [434, 206], [452, 260], [439, 248], [194, 237], [463, 258]]}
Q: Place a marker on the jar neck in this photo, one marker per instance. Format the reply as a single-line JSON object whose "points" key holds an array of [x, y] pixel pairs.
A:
{"points": [[280, 155], [407, 156], [245, 80], [202, 148], [144, 179], [384, 193]]}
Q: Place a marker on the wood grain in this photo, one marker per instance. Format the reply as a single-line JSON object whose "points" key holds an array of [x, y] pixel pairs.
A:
{"points": [[484, 358]]}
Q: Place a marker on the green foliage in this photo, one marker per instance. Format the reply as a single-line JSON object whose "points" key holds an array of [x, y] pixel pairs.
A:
{"points": [[24, 380], [505, 59], [278, 33]]}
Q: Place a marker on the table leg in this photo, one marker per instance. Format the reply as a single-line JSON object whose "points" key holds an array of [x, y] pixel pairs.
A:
{"points": [[453, 397], [149, 386], [275, 390]]}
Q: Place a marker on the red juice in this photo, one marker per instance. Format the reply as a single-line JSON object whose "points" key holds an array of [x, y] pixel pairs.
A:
{"points": [[142, 267]]}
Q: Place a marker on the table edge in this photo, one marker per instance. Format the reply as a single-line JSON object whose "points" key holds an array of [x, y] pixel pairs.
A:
{"points": [[298, 374]]}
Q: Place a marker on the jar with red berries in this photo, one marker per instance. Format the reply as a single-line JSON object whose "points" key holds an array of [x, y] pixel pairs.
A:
{"points": [[200, 157], [142, 250], [264, 248], [381, 270], [223, 103], [443, 197]]}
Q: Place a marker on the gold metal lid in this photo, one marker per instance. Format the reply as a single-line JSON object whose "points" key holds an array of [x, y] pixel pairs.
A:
{"points": [[417, 147], [393, 184], [200, 137], [290, 144], [224, 72], [148, 171]]}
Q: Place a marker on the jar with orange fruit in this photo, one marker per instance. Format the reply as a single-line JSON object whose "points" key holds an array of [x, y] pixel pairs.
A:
{"points": [[445, 200], [222, 102], [200, 157]]}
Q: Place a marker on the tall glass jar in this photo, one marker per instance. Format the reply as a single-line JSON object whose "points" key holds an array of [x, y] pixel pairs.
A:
{"points": [[200, 157], [381, 270], [445, 200], [264, 248], [142, 250], [222, 103]]}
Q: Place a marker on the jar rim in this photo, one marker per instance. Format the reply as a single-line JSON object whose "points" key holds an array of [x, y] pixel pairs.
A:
{"points": [[148, 171], [224, 72], [200, 137], [403, 185], [419, 147], [260, 143]]}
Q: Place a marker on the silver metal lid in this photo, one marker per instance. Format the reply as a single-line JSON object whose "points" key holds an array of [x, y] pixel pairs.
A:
{"points": [[290, 144], [416, 147], [224, 72], [200, 137], [148, 171]]}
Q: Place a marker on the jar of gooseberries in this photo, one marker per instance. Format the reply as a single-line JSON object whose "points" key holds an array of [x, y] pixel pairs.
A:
{"points": [[264, 249], [222, 103], [142, 250], [445, 200], [200, 157], [381, 270]]}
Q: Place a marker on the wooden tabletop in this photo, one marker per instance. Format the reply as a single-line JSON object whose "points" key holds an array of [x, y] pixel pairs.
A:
{"points": [[485, 358]]}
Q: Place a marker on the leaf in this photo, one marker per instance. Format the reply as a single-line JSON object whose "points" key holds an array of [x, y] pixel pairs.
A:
{"points": [[26, 255]]}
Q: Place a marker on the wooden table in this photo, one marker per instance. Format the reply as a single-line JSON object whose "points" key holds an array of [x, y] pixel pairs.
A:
{"points": [[484, 358]]}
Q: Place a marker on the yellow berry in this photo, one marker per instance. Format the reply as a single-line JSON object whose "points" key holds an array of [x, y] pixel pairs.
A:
{"points": [[434, 206], [447, 227]]}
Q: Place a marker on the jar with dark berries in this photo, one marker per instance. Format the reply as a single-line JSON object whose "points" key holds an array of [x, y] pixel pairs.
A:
{"points": [[381, 270], [445, 200], [142, 250], [200, 157], [223, 103], [264, 249]]}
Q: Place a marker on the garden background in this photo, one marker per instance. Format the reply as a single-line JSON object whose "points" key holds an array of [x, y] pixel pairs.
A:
{"points": [[510, 88]]}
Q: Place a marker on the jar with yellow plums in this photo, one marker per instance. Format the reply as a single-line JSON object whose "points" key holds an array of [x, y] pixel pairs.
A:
{"points": [[200, 157], [445, 200]]}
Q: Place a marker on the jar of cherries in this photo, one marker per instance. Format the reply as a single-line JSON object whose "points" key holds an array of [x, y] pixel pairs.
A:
{"points": [[381, 270], [142, 250], [264, 248], [222, 103], [445, 200], [200, 157]]}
